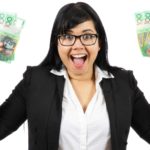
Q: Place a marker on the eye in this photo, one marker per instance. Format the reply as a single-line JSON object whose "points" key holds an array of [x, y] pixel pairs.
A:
{"points": [[67, 37], [87, 36]]}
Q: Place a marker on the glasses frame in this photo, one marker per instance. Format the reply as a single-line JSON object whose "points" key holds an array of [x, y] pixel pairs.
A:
{"points": [[76, 37]]}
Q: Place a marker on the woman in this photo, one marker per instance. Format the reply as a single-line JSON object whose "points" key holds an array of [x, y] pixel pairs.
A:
{"points": [[74, 100]]}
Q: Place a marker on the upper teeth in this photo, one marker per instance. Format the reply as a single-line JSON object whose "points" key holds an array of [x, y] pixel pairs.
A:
{"points": [[78, 55]]}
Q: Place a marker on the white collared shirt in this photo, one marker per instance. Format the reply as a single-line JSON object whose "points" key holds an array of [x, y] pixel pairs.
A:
{"points": [[79, 130]]}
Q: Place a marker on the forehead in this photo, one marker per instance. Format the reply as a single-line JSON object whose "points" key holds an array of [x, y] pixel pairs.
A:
{"points": [[87, 26]]}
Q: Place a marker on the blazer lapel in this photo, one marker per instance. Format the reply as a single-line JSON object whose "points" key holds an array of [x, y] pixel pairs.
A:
{"points": [[60, 85], [107, 88], [55, 115]]}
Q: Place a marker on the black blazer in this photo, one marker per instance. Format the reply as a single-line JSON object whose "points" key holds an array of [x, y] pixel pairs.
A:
{"points": [[38, 98]]}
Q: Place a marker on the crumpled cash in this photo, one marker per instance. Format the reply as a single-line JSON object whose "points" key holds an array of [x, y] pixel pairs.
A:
{"points": [[143, 31], [10, 29]]}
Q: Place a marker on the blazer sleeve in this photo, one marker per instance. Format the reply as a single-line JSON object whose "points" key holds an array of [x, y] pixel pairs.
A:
{"points": [[141, 111], [13, 110]]}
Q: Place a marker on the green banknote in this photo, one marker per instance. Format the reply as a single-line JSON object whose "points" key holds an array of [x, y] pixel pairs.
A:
{"points": [[10, 29], [143, 31]]}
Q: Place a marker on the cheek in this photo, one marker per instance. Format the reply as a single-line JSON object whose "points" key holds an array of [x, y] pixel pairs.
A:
{"points": [[98, 46], [63, 52], [96, 50]]}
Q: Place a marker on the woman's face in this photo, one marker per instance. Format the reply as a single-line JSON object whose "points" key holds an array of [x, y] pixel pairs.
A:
{"points": [[78, 58]]}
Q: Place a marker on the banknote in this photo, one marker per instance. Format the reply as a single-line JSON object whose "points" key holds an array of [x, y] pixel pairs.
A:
{"points": [[10, 29], [143, 31]]}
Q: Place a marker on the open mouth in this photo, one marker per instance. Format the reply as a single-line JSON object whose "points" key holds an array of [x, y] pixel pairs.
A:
{"points": [[78, 59]]}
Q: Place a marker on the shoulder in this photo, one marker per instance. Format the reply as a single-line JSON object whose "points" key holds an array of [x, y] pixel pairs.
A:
{"points": [[119, 72], [38, 70], [124, 76], [38, 73]]}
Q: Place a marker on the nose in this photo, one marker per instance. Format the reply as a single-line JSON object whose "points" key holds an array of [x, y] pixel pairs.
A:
{"points": [[78, 43]]}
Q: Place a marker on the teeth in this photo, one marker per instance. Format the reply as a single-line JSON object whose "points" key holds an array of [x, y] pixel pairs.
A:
{"points": [[79, 55]]}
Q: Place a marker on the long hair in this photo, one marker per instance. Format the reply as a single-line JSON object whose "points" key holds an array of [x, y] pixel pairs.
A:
{"points": [[68, 17]]}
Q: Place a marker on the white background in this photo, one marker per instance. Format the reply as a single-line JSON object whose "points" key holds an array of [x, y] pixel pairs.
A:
{"points": [[119, 22]]}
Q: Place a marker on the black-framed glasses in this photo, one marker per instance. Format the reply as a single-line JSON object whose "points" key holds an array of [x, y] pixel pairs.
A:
{"points": [[69, 39]]}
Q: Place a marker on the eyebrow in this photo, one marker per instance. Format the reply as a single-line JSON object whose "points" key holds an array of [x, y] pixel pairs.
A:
{"points": [[87, 30], [84, 31]]}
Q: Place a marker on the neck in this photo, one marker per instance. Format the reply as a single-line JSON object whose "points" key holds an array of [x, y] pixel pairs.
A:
{"points": [[82, 77]]}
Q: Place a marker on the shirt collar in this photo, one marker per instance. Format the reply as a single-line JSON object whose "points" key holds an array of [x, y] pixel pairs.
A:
{"points": [[62, 72], [99, 74]]}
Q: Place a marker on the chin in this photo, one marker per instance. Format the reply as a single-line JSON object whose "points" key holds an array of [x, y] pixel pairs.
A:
{"points": [[79, 71]]}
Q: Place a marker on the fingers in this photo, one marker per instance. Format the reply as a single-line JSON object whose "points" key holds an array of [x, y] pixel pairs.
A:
{"points": [[1, 46]]}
